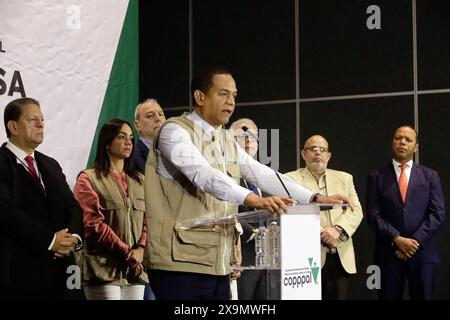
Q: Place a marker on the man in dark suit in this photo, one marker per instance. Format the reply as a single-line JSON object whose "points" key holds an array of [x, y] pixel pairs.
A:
{"points": [[40, 220], [148, 118], [405, 208], [252, 284]]}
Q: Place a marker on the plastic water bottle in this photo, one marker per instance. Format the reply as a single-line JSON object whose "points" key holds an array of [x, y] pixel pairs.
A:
{"points": [[261, 248], [275, 246]]}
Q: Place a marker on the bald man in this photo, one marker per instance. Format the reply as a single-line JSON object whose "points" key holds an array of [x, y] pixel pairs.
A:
{"points": [[337, 226]]}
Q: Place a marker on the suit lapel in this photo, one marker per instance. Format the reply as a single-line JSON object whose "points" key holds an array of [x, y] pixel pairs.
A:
{"points": [[20, 167], [331, 183], [413, 179], [411, 182], [46, 175], [392, 181], [143, 150], [309, 181]]}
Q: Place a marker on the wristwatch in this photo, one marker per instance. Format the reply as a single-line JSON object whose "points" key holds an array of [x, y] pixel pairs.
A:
{"points": [[343, 236], [314, 198]]}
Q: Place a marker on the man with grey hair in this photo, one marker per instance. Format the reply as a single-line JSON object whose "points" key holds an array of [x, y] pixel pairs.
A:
{"points": [[252, 284], [245, 132], [337, 226], [148, 118]]}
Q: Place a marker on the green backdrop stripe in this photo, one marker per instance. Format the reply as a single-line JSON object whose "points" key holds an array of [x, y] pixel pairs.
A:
{"points": [[122, 93]]}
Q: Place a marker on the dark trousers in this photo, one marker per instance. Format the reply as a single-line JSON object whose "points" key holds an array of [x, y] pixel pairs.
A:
{"points": [[421, 279], [55, 292], [335, 279], [170, 285], [252, 285], [148, 293]]}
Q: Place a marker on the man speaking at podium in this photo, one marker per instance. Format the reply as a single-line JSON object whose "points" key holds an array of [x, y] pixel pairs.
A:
{"points": [[193, 172]]}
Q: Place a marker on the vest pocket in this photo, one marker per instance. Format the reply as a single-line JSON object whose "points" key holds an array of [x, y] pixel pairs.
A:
{"points": [[98, 267], [198, 247], [110, 204], [137, 218], [139, 204]]}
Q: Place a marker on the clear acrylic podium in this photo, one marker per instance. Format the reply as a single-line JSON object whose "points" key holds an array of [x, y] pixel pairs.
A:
{"points": [[294, 272]]}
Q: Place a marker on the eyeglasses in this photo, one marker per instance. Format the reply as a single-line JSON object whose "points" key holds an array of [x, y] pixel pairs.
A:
{"points": [[316, 149], [249, 135]]}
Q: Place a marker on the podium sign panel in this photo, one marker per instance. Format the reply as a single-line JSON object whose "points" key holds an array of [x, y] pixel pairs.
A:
{"points": [[300, 253]]}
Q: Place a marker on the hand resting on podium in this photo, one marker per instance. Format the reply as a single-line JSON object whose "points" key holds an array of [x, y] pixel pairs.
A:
{"points": [[273, 204]]}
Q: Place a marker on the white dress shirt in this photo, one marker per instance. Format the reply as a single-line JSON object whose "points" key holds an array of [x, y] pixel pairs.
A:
{"points": [[20, 158], [177, 153], [398, 170]]}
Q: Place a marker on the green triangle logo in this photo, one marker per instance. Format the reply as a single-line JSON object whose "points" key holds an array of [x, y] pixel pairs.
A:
{"points": [[315, 272]]}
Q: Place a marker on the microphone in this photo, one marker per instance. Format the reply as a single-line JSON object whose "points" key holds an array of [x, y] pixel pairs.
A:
{"points": [[284, 186], [245, 129], [213, 137]]}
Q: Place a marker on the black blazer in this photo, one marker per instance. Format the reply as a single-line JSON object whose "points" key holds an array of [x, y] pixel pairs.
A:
{"points": [[29, 217], [140, 155]]}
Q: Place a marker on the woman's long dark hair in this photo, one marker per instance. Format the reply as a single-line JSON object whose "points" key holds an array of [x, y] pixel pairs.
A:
{"points": [[102, 164]]}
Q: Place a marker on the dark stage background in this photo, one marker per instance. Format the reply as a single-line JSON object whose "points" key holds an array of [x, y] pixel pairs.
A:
{"points": [[307, 67]]}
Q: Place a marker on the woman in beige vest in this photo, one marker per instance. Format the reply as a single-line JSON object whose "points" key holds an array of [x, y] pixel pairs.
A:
{"points": [[111, 195]]}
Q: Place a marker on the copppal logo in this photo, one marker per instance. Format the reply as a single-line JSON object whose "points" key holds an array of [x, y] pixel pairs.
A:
{"points": [[302, 276], [314, 269]]}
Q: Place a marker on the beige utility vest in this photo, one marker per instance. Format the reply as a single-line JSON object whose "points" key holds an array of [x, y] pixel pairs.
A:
{"points": [[125, 216], [173, 204]]}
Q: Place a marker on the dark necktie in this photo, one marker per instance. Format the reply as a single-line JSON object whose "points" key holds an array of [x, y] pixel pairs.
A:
{"points": [[31, 168], [253, 188]]}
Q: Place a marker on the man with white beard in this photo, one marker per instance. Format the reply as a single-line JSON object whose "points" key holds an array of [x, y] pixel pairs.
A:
{"points": [[337, 225]]}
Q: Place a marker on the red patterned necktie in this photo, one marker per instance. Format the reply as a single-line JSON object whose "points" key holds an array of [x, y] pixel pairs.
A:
{"points": [[403, 182], [31, 168]]}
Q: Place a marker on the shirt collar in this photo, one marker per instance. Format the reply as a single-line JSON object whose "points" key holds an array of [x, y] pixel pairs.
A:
{"points": [[19, 153], [316, 176], [202, 123], [397, 164], [148, 143]]}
